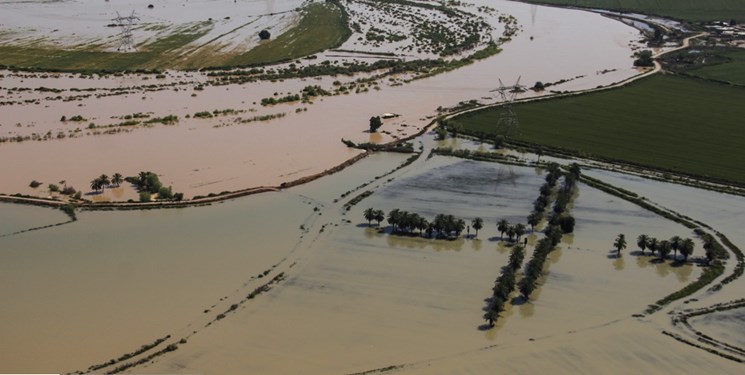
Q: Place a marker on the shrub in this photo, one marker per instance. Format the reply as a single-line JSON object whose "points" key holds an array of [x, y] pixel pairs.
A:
{"points": [[165, 192], [53, 188], [35, 184], [68, 190], [144, 196]]}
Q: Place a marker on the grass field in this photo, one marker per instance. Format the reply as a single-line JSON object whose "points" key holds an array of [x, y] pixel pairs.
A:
{"points": [[321, 27], [150, 56], [691, 10], [669, 122], [732, 71]]}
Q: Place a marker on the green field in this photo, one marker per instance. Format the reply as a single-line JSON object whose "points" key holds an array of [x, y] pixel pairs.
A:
{"points": [[322, 26], [668, 122], [732, 71], [691, 10]]}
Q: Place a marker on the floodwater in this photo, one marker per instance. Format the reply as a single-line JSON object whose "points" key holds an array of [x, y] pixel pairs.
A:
{"points": [[198, 159], [118, 280], [353, 299]]}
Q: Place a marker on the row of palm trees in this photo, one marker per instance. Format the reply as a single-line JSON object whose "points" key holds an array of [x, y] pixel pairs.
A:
{"points": [[504, 285], [443, 226], [102, 182], [513, 231], [560, 219], [663, 248]]}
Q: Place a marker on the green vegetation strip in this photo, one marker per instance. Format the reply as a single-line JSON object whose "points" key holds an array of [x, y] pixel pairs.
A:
{"points": [[154, 55], [731, 70], [671, 123], [691, 10]]}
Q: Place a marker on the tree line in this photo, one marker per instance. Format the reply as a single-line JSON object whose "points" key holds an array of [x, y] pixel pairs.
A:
{"points": [[663, 248], [443, 226], [560, 222]]}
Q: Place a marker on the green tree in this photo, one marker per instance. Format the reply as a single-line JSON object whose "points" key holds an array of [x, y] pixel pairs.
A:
{"points": [[502, 226], [117, 179], [511, 232], [422, 224], [393, 218], [459, 227], [686, 248], [653, 244], [675, 242], [533, 219], [477, 224], [709, 248], [519, 230], [379, 216], [642, 242], [620, 243], [644, 58], [566, 222], [663, 248], [369, 215], [95, 185], [375, 123], [104, 181], [526, 287]]}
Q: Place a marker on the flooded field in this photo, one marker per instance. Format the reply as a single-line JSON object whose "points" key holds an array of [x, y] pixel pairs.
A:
{"points": [[297, 281], [382, 299], [209, 155]]}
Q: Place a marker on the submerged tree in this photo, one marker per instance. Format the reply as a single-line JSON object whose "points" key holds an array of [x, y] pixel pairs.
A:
{"points": [[620, 243], [642, 241], [503, 226], [369, 215], [117, 179], [686, 248], [477, 224]]}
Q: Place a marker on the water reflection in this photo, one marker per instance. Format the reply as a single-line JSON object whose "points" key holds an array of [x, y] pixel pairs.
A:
{"points": [[417, 242], [619, 263]]}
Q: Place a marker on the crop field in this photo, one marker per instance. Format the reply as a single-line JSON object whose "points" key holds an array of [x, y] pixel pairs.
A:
{"points": [[732, 71], [668, 122], [186, 41], [690, 10], [323, 26], [153, 55]]}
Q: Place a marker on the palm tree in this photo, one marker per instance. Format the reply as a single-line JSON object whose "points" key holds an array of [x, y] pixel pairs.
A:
{"points": [[686, 248], [95, 185], [117, 179], [709, 248], [675, 242], [142, 184], [663, 248], [575, 170], [421, 224], [511, 232], [519, 230], [503, 225], [533, 219], [620, 243], [477, 223], [104, 181], [369, 215], [379, 216], [653, 244], [642, 241], [459, 226], [393, 218]]}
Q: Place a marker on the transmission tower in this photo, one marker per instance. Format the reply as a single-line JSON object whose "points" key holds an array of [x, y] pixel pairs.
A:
{"points": [[126, 41], [507, 121]]}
